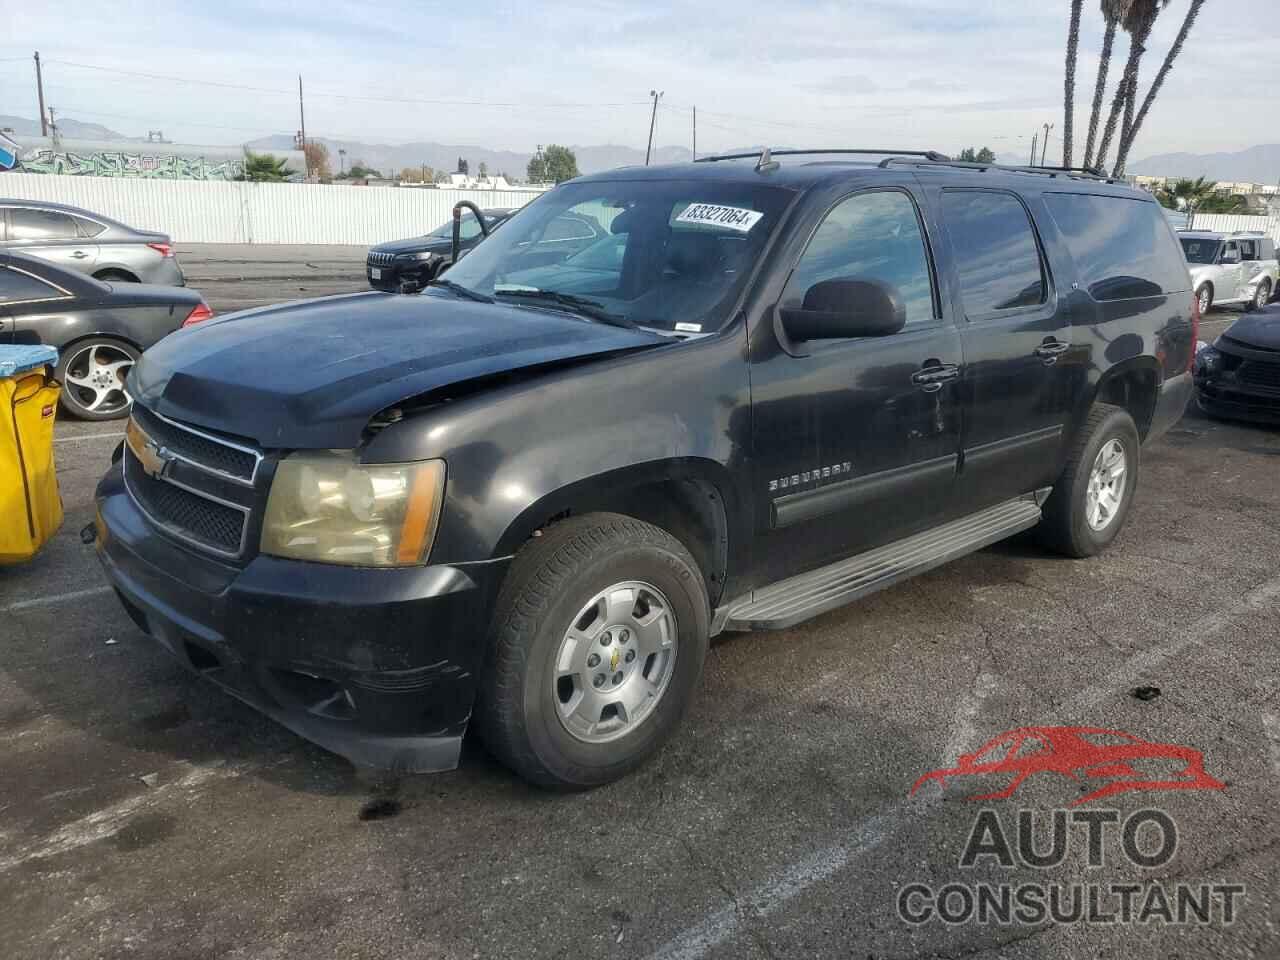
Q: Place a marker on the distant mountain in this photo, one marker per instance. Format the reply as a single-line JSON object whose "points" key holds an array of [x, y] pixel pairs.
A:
{"points": [[74, 129], [1259, 164], [390, 159]]}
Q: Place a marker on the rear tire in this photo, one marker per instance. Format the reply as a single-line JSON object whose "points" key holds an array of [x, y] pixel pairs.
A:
{"points": [[92, 373], [1261, 295], [118, 276], [547, 716], [1090, 502]]}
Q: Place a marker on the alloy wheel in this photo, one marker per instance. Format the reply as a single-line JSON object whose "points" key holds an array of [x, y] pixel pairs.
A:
{"points": [[1106, 485], [615, 662], [93, 380]]}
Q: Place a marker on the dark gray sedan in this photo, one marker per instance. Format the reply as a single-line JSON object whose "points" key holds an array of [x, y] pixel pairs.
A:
{"points": [[100, 329], [88, 242]]}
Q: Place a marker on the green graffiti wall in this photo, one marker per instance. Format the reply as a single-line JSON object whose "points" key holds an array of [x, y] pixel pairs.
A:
{"points": [[148, 166]]}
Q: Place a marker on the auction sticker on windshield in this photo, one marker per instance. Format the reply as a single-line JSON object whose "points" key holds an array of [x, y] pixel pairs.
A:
{"points": [[715, 215]]}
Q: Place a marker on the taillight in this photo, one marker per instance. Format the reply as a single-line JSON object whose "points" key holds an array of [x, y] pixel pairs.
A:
{"points": [[1195, 328], [201, 312], [164, 249]]}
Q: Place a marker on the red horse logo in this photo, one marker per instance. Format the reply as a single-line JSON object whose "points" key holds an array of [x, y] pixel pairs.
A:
{"points": [[1080, 753]]}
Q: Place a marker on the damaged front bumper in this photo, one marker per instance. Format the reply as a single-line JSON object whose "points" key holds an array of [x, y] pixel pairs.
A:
{"points": [[376, 665]]}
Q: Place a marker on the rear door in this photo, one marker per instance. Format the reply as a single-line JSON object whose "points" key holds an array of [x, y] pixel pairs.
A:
{"points": [[1017, 388], [51, 235], [34, 304], [855, 440]]}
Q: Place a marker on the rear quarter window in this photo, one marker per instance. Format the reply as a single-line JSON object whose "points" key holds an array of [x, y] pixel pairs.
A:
{"points": [[1122, 247]]}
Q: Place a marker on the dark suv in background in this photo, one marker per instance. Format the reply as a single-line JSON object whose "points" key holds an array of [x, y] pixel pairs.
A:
{"points": [[398, 261], [528, 503]]}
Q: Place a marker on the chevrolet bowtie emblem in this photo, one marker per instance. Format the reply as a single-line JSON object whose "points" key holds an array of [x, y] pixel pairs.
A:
{"points": [[153, 458]]}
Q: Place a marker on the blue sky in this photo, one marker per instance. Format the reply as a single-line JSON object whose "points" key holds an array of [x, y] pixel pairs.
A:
{"points": [[899, 74]]}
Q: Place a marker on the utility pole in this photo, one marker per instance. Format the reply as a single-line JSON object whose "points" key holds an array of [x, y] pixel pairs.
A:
{"points": [[302, 121], [657, 95], [695, 133], [44, 124], [1034, 141], [1044, 147]]}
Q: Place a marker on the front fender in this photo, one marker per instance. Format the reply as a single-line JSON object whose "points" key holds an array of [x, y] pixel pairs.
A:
{"points": [[521, 454]]}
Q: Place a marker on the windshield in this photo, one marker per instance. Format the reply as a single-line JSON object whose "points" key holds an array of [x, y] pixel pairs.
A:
{"points": [[1199, 250], [663, 254]]}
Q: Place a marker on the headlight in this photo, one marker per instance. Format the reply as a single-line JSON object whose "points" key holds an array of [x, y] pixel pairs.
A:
{"points": [[1208, 359], [327, 507], [420, 255]]}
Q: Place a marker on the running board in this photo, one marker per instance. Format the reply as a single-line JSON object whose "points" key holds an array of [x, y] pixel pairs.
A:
{"points": [[798, 598]]}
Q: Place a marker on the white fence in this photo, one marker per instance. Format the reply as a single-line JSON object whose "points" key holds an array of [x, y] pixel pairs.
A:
{"points": [[195, 211], [1234, 221]]}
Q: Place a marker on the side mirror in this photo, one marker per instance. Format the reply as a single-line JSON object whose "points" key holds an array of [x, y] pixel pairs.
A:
{"points": [[845, 307], [457, 225], [1229, 258]]}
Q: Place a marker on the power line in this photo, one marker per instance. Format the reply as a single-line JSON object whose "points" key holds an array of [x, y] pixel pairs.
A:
{"points": [[342, 96]]}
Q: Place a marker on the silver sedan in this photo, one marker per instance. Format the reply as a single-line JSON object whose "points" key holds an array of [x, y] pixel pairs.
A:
{"points": [[88, 242]]}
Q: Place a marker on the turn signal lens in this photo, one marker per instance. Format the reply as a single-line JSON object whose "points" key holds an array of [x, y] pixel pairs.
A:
{"points": [[326, 507]]}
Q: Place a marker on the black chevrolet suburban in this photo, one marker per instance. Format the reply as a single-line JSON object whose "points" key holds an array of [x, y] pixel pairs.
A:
{"points": [[527, 496]]}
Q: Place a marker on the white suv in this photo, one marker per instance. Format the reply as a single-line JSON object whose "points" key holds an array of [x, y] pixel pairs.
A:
{"points": [[1231, 267]]}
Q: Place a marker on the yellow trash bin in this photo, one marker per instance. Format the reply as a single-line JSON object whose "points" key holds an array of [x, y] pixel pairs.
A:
{"points": [[30, 506]]}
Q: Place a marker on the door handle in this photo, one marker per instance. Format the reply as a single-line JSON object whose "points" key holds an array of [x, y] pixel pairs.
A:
{"points": [[79, 255], [1050, 350], [932, 377]]}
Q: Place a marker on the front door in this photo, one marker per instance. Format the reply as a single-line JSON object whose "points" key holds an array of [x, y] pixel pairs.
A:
{"points": [[1230, 274], [1251, 272], [1018, 383], [855, 441]]}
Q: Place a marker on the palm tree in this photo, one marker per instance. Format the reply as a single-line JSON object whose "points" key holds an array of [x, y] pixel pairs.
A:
{"points": [[1069, 92], [1127, 141], [1113, 11], [1137, 23], [264, 168], [1187, 195]]}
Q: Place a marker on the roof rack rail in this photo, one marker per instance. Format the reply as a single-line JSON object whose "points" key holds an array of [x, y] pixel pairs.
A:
{"points": [[1088, 173], [765, 153]]}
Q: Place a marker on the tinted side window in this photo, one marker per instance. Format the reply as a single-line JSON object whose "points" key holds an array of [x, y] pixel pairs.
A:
{"points": [[27, 224], [869, 236], [89, 228], [16, 287], [995, 251], [1122, 247]]}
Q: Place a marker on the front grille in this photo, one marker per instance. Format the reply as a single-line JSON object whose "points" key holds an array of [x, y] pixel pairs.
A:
{"points": [[198, 448], [380, 259], [1260, 374], [188, 515], [194, 485]]}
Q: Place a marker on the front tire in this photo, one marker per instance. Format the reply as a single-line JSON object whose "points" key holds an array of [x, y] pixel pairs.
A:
{"points": [[1091, 499], [92, 373], [1204, 294], [597, 644]]}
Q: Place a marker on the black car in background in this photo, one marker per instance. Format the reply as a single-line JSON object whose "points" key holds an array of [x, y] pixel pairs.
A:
{"points": [[392, 263], [100, 329], [1238, 376]]}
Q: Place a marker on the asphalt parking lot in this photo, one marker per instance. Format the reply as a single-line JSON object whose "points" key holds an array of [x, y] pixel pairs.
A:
{"points": [[145, 814]]}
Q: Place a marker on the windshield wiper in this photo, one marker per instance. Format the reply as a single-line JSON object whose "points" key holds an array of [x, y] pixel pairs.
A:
{"points": [[461, 291], [593, 309]]}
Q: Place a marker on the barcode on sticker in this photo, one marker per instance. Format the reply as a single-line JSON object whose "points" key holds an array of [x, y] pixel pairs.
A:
{"points": [[714, 215]]}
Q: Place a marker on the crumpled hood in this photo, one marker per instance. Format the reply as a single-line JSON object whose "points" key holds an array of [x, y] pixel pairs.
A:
{"points": [[1258, 330], [311, 374]]}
